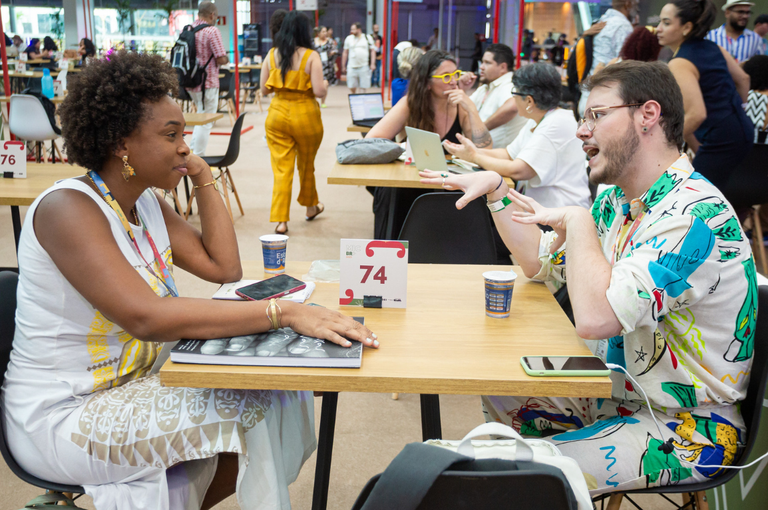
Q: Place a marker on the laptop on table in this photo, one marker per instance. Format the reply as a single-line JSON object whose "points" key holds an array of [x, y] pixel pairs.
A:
{"points": [[427, 150], [366, 109]]}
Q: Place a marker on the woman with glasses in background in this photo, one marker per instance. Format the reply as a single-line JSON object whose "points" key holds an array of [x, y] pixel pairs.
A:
{"points": [[716, 128], [434, 103], [545, 159]]}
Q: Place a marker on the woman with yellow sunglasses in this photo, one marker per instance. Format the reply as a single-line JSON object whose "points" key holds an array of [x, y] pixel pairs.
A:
{"points": [[434, 103]]}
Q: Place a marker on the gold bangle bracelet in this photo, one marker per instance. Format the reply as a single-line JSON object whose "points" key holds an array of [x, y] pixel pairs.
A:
{"points": [[213, 182], [274, 314]]}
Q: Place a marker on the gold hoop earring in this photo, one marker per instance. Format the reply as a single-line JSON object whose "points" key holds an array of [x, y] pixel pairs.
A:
{"points": [[128, 170]]}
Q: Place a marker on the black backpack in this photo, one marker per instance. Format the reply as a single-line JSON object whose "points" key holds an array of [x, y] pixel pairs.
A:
{"points": [[184, 58], [584, 46]]}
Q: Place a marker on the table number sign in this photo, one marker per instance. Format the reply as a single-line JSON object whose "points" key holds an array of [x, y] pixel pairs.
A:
{"points": [[373, 273], [13, 159]]}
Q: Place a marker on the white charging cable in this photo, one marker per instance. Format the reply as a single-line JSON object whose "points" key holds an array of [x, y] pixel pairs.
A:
{"points": [[667, 447]]}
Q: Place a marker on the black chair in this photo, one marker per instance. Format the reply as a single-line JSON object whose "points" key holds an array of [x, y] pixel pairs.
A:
{"points": [[186, 100], [8, 283], [748, 187], [487, 490], [249, 82], [751, 408], [227, 92], [224, 175], [438, 233]]}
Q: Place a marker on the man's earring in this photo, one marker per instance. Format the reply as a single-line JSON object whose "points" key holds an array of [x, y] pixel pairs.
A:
{"points": [[645, 129], [128, 170]]}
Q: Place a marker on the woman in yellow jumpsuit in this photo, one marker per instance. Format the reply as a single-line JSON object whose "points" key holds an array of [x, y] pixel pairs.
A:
{"points": [[294, 127]]}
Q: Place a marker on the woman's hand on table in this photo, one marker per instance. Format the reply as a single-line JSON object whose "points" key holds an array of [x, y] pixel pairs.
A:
{"points": [[327, 324], [467, 150], [473, 185]]}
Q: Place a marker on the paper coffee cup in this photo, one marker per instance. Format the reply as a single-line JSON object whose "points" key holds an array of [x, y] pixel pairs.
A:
{"points": [[498, 293], [273, 248]]}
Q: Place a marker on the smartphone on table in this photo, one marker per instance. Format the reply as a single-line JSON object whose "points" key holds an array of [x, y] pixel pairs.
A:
{"points": [[552, 366], [274, 287]]}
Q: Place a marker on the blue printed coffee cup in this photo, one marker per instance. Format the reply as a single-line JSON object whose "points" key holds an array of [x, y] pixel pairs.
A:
{"points": [[273, 247], [498, 293]]}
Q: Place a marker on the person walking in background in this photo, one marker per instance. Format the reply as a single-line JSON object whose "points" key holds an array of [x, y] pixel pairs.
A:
{"points": [[377, 41], [13, 49], [405, 62], [734, 36], [713, 85], [434, 40], [757, 100], [294, 127], [477, 53], [493, 97], [608, 42], [642, 45], [275, 22], [210, 53], [327, 51], [761, 29], [360, 54], [86, 49]]}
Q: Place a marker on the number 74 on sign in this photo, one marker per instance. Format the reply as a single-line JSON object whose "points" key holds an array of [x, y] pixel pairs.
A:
{"points": [[373, 268]]}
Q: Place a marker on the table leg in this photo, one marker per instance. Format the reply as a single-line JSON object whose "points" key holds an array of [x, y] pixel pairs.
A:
{"points": [[430, 417], [391, 215], [324, 450], [16, 218]]}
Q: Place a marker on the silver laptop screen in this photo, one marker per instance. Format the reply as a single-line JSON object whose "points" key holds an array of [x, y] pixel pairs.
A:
{"points": [[366, 106]]}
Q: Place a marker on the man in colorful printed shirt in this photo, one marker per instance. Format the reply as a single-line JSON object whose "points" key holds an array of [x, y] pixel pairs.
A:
{"points": [[662, 281], [210, 53]]}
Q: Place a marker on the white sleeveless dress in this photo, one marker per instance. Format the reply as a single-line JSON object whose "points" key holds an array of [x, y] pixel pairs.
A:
{"points": [[82, 409]]}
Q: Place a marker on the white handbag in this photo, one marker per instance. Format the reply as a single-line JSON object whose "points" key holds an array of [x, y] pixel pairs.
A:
{"points": [[533, 450]]}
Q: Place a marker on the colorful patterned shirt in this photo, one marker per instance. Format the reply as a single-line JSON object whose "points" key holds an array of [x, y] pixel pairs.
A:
{"points": [[208, 42], [683, 287], [742, 49]]}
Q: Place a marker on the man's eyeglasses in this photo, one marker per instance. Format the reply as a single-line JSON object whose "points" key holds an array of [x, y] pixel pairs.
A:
{"points": [[743, 13], [591, 115], [447, 77]]}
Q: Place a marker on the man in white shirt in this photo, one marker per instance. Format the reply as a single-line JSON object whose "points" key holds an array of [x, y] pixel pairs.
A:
{"points": [[360, 52], [608, 43], [493, 97]]}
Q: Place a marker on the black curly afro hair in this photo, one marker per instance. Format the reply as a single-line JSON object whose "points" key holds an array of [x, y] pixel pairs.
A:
{"points": [[108, 102]]}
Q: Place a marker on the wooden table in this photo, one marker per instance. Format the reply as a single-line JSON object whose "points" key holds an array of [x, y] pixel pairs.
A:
{"points": [[55, 100], [40, 177], [198, 119], [353, 128], [28, 74], [392, 175], [421, 351]]}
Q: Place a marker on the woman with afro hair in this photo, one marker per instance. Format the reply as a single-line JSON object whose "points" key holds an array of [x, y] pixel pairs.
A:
{"points": [[97, 301]]}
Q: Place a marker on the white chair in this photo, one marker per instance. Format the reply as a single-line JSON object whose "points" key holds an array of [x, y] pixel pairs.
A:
{"points": [[29, 122]]}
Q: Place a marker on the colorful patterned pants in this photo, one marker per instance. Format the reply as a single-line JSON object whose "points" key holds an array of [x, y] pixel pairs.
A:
{"points": [[294, 133], [616, 443]]}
